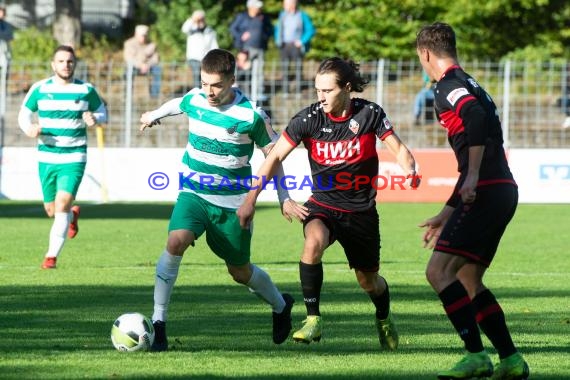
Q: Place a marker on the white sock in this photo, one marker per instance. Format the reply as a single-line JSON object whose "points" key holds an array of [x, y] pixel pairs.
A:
{"points": [[260, 283], [166, 274], [58, 233]]}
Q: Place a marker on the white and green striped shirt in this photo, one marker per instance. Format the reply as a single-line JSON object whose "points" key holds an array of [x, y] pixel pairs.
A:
{"points": [[220, 145], [63, 136]]}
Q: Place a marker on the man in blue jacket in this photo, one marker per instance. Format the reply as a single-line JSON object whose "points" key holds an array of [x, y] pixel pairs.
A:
{"points": [[251, 31], [293, 34]]}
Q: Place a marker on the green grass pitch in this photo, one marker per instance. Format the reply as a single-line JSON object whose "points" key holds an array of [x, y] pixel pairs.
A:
{"points": [[56, 324]]}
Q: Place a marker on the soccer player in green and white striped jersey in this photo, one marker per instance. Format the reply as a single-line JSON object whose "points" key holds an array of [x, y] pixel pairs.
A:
{"points": [[65, 107], [224, 125]]}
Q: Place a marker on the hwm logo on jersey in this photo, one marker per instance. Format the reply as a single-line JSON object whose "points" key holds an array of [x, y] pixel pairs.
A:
{"points": [[337, 152], [354, 126], [387, 123]]}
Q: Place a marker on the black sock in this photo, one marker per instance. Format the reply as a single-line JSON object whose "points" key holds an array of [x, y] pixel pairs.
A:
{"points": [[382, 303], [311, 283], [461, 313], [491, 319]]}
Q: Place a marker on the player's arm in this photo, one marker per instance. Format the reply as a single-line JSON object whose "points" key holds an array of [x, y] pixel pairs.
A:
{"points": [[289, 208], [151, 118], [404, 157], [27, 124], [474, 119], [99, 116], [275, 156]]}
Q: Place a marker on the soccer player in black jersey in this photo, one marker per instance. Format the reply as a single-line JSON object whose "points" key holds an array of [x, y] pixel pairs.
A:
{"points": [[467, 231], [340, 134]]}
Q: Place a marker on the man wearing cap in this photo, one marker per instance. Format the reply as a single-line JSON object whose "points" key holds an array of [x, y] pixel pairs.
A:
{"points": [[142, 55], [251, 31]]}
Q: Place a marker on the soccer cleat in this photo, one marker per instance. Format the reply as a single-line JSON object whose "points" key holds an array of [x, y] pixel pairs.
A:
{"points": [[282, 321], [511, 368], [160, 341], [311, 330], [387, 333], [472, 365], [49, 263], [74, 226]]}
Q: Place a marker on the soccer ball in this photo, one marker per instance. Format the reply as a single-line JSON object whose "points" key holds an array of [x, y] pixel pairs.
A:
{"points": [[132, 332]]}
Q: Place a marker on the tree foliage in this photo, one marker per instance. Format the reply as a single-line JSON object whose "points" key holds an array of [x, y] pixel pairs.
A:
{"points": [[368, 30]]}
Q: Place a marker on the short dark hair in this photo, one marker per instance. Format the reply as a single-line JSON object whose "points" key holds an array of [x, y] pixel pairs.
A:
{"points": [[65, 48], [346, 71], [439, 38], [219, 61]]}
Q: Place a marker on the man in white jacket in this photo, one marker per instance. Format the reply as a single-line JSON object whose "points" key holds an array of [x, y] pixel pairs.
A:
{"points": [[201, 39]]}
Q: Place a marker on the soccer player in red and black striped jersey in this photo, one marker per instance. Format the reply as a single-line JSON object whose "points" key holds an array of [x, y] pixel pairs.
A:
{"points": [[340, 134], [467, 231]]}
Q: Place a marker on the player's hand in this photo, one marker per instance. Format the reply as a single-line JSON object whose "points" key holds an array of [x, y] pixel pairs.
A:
{"points": [[468, 190], [433, 228], [291, 209], [147, 122], [34, 130], [413, 180], [245, 214], [89, 118]]}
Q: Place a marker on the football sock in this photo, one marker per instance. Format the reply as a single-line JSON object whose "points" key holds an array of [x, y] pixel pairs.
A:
{"points": [[166, 274], [311, 283], [461, 313], [382, 303], [260, 283], [58, 233], [491, 319]]}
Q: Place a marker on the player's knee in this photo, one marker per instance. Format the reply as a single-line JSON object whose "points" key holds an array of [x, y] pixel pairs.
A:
{"points": [[239, 274]]}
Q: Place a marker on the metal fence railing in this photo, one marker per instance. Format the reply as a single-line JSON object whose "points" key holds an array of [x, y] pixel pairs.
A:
{"points": [[530, 96]]}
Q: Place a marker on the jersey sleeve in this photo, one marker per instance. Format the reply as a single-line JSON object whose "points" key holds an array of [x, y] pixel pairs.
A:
{"points": [[382, 125], [261, 133], [31, 99], [299, 127]]}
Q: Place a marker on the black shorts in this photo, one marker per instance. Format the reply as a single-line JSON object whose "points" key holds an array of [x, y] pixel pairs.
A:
{"points": [[357, 232], [474, 230]]}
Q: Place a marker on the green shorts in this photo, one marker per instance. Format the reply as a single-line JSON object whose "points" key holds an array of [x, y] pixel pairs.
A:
{"points": [[60, 177], [224, 235]]}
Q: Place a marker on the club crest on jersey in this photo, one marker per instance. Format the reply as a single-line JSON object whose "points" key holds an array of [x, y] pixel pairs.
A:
{"points": [[353, 126], [231, 130]]}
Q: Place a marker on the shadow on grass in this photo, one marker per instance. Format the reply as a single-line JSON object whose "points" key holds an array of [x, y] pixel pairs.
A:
{"points": [[18, 209], [212, 317]]}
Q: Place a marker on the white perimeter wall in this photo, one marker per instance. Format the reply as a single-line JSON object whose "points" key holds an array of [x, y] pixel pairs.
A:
{"points": [[543, 176]]}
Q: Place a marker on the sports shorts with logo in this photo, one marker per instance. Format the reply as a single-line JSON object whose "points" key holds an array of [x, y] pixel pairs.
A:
{"points": [[358, 232], [474, 230], [60, 177], [224, 235]]}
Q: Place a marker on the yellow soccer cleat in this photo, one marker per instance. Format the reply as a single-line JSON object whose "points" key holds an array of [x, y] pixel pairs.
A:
{"points": [[311, 330], [387, 333], [472, 365]]}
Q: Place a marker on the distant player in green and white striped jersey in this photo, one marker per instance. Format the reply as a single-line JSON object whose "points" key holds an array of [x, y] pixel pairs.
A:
{"points": [[224, 125], [65, 107]]}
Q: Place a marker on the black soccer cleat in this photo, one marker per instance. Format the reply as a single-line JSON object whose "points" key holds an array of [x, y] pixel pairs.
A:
{"points": [[282, 321], [160, 341]]}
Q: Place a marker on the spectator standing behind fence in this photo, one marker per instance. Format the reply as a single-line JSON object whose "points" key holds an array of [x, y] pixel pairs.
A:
{"points": [[251, 31], [6, 36], [142, 55], [293, 34], [200, 39], [424, 98]]}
